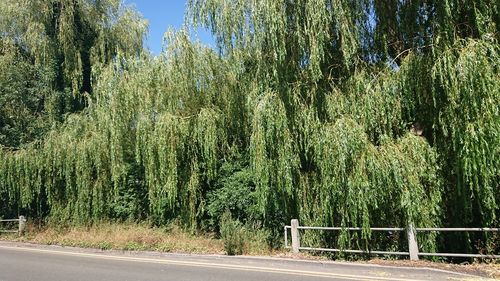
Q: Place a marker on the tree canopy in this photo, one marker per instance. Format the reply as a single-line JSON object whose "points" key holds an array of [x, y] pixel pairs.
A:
{"points": [[50, 51]]}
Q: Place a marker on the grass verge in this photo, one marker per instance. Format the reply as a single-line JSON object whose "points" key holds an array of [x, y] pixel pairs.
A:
{"points": [[137, 237], [123, 236], [140, 237]]}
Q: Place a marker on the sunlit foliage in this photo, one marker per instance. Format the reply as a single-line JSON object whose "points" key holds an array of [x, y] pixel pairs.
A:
{"points": [[336, 112]]}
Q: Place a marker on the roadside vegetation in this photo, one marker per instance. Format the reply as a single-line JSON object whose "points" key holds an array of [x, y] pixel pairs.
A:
{"points": [[382, 113], [131, 237], [125, 236]]}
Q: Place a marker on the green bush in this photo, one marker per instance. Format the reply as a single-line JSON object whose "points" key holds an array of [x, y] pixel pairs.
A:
{"points": [[239, 238], [233, 234], [235, 193]]}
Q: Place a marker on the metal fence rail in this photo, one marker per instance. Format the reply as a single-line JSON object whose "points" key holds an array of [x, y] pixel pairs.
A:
{"points": [[21, 225], [411, 232]]}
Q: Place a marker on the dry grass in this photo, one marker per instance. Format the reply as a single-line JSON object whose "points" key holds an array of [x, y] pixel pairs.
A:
{"points": [[124, 236], [137, 237]]}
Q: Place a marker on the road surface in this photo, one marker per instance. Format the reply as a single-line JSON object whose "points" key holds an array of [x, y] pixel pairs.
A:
{"points": [[21, 262]]}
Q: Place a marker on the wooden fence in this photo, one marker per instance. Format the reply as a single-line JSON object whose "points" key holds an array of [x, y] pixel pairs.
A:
{"points": [[411, 234], [21, 225]]}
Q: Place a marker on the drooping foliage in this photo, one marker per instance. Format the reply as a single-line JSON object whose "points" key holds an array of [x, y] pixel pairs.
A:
{"points": [[58, 44], [72, 36], [429, 67], [336, 112], [23, 87], [116, 148]]}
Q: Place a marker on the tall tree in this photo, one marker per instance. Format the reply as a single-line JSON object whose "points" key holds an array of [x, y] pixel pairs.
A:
{"points": [[433, 62], [59, 44]]}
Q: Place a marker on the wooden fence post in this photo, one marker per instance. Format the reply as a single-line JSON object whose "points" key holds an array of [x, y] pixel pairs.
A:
{"points": [[412, 242], [295, 236], [22, 225]]}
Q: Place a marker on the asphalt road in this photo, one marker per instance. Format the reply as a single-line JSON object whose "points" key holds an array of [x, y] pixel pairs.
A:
{"points": [[21, 262]]}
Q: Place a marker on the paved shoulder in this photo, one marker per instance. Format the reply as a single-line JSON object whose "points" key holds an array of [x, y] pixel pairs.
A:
{"points": [[25, 262]]}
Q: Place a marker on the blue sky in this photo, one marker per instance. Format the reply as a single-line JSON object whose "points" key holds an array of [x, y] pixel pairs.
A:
{"points": [[161, 15]]}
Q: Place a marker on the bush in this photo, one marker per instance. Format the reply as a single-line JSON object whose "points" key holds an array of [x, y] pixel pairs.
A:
{"points": [[234, 193], [239, 238], [232, 234]]}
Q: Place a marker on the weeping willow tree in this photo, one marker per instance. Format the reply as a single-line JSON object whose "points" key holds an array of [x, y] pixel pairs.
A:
{"points": [[58, 45], [389, 67], [346, 113], [136, 152]]}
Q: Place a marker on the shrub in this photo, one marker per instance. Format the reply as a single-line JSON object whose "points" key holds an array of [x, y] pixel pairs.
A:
{"points": [[233, 234], [235, 193]]}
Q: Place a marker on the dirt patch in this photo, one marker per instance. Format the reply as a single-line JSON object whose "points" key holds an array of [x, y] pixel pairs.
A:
{"points": [[489, 270]]}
